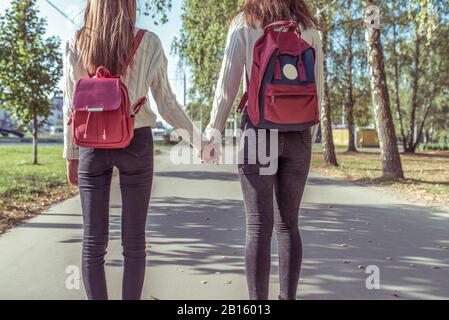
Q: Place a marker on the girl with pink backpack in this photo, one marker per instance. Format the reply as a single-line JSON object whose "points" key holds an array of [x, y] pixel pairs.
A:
{"points": [[109, 68]]}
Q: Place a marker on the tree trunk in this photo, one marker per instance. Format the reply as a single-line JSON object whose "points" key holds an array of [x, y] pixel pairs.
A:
{"points": [[396, 82], [35, 139], [431, 96], [349, 96], [423, 123], [391, 160], [329, 154], [414, 102]]}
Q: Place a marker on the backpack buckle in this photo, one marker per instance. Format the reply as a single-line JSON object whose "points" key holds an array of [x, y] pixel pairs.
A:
{"points": [[95, 109]]}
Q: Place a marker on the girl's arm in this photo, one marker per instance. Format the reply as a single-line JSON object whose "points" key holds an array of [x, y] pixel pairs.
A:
{"points": [[319, 76], [166, 101], [229, 82], [70, 149]]}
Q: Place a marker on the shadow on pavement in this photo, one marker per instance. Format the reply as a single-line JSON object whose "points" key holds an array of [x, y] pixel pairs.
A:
{"points": [[340, 242]]}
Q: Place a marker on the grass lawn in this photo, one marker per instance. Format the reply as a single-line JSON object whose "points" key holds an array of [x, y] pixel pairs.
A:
{"points": [[26, 189], [426, 174]]}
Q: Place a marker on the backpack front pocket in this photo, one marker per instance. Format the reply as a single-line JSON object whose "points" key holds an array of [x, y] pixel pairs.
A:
{"points": [[290, 104]]}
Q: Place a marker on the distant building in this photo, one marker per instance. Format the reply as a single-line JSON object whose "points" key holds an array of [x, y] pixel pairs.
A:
{"points": [[57, 114], [5, 119], [364, 137], [56, 117]]}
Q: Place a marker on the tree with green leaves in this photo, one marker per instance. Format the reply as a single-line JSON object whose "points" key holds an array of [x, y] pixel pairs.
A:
{"points": [[416, 55], [201, 44], [346, 57], [329, 154], [391, 160], [157, 10], [30, 66]]}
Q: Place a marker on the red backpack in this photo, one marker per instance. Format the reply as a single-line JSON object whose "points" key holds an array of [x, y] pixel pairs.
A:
{"points": [[102, 116], [282, 93]]}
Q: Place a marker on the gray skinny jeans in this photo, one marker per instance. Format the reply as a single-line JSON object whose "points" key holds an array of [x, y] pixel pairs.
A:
{"points": [[135, 164], [288, 183]]}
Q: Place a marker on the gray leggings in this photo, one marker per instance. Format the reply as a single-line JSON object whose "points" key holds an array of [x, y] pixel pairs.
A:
{"points": [[294, 156], [135, 164]]}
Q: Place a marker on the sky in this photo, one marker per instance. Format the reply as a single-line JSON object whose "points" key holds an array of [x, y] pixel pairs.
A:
{"points": [[61, 27]]}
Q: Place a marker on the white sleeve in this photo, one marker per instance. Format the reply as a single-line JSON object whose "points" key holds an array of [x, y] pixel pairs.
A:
{"points": [[229, 81], [167, 104], [71, 151]]}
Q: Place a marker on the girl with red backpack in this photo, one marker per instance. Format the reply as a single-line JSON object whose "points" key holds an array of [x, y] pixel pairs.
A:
{"points": [[275, 46], [109, 68]]}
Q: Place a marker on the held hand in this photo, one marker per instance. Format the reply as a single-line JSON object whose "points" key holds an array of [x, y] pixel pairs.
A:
{"points": [[211, 153], [72, 172]]}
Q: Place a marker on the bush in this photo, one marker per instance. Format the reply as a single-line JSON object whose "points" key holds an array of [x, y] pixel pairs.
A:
{"points": [[435, 147]]}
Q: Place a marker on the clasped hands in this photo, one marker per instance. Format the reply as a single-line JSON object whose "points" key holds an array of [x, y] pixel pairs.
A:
{"points": [[210, 153]]}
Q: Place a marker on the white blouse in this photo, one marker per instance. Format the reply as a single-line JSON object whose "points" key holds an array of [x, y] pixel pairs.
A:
{"points": [[239, 57], [148, 71]]}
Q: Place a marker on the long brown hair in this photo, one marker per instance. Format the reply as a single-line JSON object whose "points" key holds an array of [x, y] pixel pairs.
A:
{"points": [[107, 36], [260, 13]]}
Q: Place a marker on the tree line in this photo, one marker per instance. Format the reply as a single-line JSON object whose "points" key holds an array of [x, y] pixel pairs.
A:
{"points": [[393, 76]]}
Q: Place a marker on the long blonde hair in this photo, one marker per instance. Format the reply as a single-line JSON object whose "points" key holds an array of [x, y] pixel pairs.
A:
{"points": [[107, 36]]}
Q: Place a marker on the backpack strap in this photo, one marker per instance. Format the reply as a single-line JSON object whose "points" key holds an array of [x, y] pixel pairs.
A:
{"points": [[135, 109], [137, 40], [282, 24]]}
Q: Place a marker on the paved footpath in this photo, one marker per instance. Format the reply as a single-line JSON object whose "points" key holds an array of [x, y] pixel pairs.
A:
{"points": [[196, 243]]}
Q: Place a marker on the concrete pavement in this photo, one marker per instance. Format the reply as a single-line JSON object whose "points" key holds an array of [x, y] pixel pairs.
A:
{"points": [[196, 236]]}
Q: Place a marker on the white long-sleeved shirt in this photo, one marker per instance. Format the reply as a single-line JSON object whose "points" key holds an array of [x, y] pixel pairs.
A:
{"points": [[148, 71], [238, 57]]}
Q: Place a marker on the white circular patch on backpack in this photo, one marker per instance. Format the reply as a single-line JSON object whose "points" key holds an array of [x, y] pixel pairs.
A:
{"points": [[290, 72]]}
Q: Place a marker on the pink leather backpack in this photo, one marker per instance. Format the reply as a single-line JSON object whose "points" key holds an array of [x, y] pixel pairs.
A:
{"points": [[102, 115]]}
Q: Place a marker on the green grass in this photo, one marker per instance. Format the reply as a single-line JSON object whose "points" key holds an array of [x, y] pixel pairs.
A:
{"points": [[435, 147], [27, 189], [20, 180]]}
